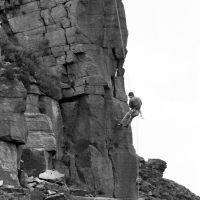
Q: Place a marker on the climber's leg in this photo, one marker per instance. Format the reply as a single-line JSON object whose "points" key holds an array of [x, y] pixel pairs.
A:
{"points": [[134, 114], [125, 119]]}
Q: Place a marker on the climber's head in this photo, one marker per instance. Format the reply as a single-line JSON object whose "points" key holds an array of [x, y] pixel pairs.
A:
{"points": [[131, 94]]}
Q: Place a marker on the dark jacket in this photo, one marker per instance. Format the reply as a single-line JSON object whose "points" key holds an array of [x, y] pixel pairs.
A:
{"points": [[135, 103]]}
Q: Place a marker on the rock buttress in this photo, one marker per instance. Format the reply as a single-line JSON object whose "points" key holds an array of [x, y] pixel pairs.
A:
{"points": [[79, 43], [152, 186]]}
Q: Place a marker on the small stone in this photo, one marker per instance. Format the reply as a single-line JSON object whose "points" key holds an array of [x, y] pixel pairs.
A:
{"points": [[32, 184], [50, 192]]}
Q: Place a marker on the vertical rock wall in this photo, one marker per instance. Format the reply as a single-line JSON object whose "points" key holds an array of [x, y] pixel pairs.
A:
{"points": [[13, 129], [83, 49]]}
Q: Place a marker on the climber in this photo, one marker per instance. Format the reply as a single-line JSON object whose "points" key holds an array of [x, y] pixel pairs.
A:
{"points": [[135, 104]]}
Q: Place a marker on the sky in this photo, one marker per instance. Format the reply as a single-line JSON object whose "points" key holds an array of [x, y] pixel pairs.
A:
{"points": [[163, 68]]}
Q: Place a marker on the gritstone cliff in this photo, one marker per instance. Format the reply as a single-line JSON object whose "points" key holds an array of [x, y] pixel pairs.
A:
{"points": [[62, 94]]}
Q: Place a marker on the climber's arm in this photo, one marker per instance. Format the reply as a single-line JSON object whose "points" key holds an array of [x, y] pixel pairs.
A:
{"points": [[141, 114]]}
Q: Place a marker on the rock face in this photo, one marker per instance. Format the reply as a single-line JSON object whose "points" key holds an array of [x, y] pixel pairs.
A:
{"points": [[79, 42], [13, 129], [60, 106], [152, 185]]}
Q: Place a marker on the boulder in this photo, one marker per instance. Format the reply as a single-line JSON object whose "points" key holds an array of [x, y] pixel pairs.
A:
{"points": [[51, 175]]}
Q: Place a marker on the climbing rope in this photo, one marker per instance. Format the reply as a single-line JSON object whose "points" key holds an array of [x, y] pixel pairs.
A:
{"points": [[120, 29], [124, 54], [137, 153]]}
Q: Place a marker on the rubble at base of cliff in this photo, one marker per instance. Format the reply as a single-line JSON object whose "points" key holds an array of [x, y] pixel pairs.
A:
{"points": [[152, 186], [44, 188]]}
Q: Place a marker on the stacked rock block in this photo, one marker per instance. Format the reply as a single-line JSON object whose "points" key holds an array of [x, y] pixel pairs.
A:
{"points": [[80, 43], [42, 121], [13, 129]]}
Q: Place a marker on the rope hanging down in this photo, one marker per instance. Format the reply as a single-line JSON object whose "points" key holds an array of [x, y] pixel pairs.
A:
{"points": [[120, 29]]}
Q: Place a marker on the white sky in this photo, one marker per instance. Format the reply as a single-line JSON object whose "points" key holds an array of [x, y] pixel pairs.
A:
{"points": [[163, 68]]}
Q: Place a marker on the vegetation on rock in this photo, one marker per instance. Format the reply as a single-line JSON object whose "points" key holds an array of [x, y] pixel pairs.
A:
{"points": [[20, 64]]}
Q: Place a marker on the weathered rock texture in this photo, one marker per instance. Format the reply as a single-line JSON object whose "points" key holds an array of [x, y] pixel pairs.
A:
{"points": [[74, 129], [152, 185], [13, 129]]}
